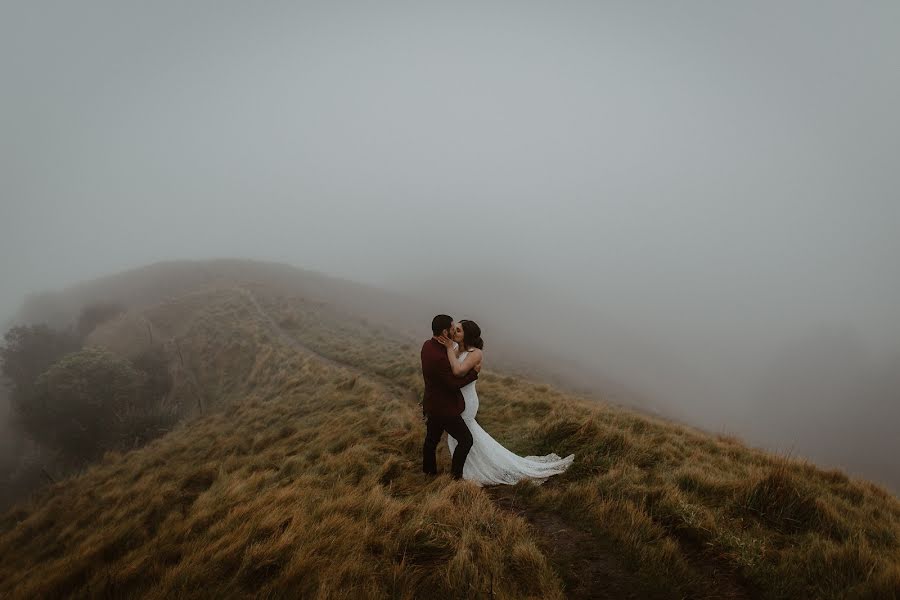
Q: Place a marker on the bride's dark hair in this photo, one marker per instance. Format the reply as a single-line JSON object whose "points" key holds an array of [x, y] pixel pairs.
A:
{"points": [[471, 334]]}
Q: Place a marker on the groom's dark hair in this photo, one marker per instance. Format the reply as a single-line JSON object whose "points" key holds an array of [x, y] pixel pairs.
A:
{"points": [[440, 323]]}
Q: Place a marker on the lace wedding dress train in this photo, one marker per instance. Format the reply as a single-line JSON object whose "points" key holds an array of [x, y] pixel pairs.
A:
{"points": [[489, 463]]}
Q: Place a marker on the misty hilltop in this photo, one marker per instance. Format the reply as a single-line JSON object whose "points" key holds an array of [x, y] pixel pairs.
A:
{"points": [[288, 465]]}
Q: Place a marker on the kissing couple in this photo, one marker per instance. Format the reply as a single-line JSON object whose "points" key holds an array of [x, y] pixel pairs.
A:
{"points": [[451, 361]]}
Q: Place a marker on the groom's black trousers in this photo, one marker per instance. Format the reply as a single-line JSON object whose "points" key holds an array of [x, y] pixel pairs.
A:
{"points": [[455, 426]]}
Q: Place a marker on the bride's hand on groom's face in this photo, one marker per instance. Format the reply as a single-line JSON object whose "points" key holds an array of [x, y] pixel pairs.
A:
{"points": [[445, 341]]}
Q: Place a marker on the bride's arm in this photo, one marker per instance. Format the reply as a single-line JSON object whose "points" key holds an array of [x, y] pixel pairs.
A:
{"points": [[461, 368]]}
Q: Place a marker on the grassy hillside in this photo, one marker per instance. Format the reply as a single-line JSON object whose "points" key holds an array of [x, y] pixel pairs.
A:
{"points": [[296, 473]]}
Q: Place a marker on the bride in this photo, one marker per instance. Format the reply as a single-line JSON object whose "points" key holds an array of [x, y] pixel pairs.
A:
{"points": [[489, 463]]}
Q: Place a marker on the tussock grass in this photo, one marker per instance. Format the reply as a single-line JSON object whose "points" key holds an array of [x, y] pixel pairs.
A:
{"points": [[676, 499], [301, 479]]}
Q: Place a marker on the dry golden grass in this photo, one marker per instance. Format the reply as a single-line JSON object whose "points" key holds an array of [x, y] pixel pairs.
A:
{"points": [[673, 497], [302, 480], [306, 485]]}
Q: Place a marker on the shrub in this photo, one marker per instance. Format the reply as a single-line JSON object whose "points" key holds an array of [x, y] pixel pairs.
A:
{"points": [[785, 503], [91, 401], [28, 352]]}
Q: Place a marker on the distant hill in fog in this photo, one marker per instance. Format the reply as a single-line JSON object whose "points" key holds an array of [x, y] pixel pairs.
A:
{"points": [[511, 347]]}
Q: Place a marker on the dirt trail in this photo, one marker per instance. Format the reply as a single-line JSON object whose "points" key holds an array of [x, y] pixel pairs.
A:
{"points": [[299, 346], [590, 567], [287, 338]]}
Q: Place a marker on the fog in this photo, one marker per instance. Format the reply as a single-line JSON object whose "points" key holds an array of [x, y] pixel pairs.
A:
{"points": [[698, 203]]}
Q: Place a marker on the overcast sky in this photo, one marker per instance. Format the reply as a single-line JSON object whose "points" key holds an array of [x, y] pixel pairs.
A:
{"points": [[720, 178]]}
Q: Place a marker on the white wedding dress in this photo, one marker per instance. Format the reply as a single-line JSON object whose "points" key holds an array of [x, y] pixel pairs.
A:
{"points": [[489, 463]]}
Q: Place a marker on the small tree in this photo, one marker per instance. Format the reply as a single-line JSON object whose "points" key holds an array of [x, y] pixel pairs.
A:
{"points": [[28, 352], [82, 404]]}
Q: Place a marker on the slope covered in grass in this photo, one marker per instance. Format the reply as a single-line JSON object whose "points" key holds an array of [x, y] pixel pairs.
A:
{"points": [[669, 494], [296, 477], [304, 483]]}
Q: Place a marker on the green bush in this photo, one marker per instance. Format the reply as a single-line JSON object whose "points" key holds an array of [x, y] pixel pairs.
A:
{"points": [[27, 352], [92, 401]]}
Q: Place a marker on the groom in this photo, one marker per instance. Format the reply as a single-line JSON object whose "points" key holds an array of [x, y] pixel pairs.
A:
{"points": [[443, 403]]}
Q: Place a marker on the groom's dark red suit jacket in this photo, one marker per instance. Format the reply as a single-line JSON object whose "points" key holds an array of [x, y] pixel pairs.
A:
{"points": [[442, 395]]}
